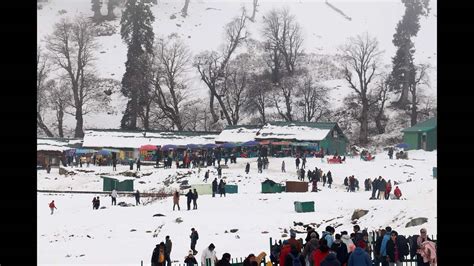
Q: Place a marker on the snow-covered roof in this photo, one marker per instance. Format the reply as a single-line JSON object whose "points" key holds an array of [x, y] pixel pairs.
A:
{"points": [[118, 178], [52, 144], [238, 134], [122, 139], [293, 131]]}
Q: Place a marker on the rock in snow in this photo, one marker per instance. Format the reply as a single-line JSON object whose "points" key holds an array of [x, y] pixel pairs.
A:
{"points": [[416, 221], [358, 213]]}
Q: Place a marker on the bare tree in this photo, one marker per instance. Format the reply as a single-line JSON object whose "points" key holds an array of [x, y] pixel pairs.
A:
{"points": [[211, 65], [361, 56], [172, 59], [60, 99], [314, 99], [184, 10], [72, 48], [42, 71], [254, 11], [259, 96], [382, 97], [283, 43]]}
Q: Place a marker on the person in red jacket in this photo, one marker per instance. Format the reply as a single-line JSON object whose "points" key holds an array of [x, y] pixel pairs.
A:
{"points": [[321, 252], [397, 192], [388, 188], [52, 206], [285, 250]]}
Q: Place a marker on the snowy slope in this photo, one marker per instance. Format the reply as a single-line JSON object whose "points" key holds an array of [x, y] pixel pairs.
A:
{"points": [[63, 237], [324, 30]]}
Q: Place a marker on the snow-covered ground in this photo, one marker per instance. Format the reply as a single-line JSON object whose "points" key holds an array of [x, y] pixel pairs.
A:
{"points": [[117, 235]]}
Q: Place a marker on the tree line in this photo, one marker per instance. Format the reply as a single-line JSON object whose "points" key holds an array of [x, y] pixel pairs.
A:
{"points": [[249, 80]]}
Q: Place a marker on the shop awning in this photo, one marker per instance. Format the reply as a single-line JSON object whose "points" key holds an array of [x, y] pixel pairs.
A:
{"points": [[264, 142], [110, 150], [149, 148], [84, 151], [250, 143], [304, 144]]}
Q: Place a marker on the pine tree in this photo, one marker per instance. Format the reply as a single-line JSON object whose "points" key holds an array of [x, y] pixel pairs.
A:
{"points": [[137, 33], [403, 68]]}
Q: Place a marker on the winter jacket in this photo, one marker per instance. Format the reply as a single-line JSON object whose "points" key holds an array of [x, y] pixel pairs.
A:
{"points": [[223, 262], [382, 185], [359, 258], [341, 250], [289, 259], [176, 198], [214, 185], [114, 193], [318, 256], [285, 250], [346, 239], [329, 238], [190, 261], [194, 237], [207, 254], [156, 257], [397, 193], [383, 246], [310, 246], [428, 252], [331, 260], [168, 246], [391, 250], [296, 243], [189, 195]]}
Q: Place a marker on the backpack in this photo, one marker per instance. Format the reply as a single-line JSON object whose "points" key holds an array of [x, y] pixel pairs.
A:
{"points": [[296, 260], [404, 250]]}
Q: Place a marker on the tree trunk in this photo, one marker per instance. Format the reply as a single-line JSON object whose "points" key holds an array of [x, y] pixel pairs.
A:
{"points": [[40, 123], [79, 132], [414, 107], [255, 3], [378, 124], [215, 117], [403, 101], [110, 10], [364, 123], [184, 10], [60, 117]]}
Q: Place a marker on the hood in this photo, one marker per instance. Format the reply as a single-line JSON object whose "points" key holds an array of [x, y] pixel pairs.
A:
{"points": [[331, 257], [358, 251]]}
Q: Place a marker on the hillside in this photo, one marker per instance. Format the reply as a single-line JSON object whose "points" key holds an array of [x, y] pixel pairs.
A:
{"points": [[324, 30]]}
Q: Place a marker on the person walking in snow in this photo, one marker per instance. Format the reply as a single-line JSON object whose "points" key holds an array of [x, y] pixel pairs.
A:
{"points": [[158, 258], [114, 197], [346, 183], [189, 197], [222, 188], [137, 197], [324, 179], [194, 238], [219, 172], [329, 179], [259, 165], [283, 170], [382, 186], [206, 176], [52, 206], [247, 168], [302, 173], [195, 197], [303, 165], [94, 203], [138, 164], [214, 187], [390, 153], [297, 161], [315, 186], [176, 200], [375, 186]]}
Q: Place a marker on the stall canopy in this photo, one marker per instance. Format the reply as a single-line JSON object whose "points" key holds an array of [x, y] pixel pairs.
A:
{"points": [[149, 148], [210, 146], [264, 142], [104, 152], [304, 144], [229, 145], [110, 150], [192, 146], [250, 143], [169, 146], [84, 151]]}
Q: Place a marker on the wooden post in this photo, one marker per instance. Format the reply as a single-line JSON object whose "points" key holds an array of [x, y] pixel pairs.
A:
{"points": [[142, 263]]}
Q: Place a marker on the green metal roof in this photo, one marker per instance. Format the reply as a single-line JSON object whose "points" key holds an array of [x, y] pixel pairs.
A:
{"points": [[427, 125]]}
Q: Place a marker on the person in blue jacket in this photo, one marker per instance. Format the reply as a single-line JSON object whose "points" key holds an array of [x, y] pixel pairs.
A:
{"points": [[383, 246], [359, 257], [328, 235]]}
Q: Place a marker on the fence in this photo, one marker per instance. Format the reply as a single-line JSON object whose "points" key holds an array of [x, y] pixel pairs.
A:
{"points": [[408, 260], [233, 262]]}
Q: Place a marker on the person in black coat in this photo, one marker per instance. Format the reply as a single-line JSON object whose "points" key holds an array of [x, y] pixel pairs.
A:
{"points": [[297, 162], [158, 258], [137, 197], [341, 249], [138, 164], [190, 260], [329, 176], [189, 197], [222, 188], [247, 168], [375, 187], [302, 172], [219, 171], [214, 187], [396, 248], [331, 260], [195, 197]]}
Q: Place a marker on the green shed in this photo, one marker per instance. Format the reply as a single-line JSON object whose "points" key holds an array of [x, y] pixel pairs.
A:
{"points": [[304, 206], [269, 186], [117, 183], [231, 189], [422, 135]]}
